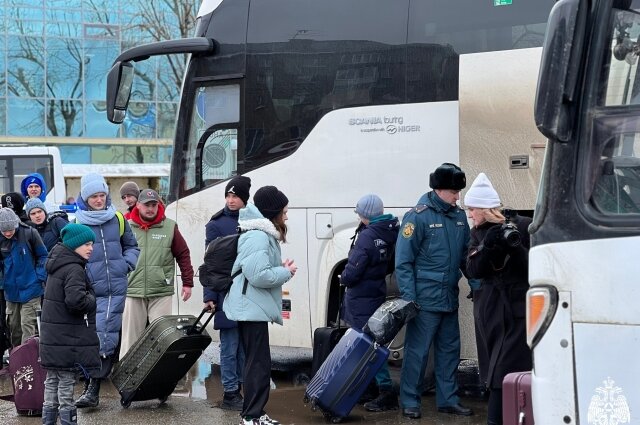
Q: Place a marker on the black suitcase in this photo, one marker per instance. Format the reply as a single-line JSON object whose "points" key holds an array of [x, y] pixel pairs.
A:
{"points": [[163, 355], [326, 338]]}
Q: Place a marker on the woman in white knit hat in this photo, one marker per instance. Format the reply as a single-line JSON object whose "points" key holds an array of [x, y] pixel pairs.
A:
{"points": [[500, 261]]}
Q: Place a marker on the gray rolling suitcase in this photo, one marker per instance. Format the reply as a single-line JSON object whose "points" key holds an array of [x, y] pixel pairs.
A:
{"points": [[161, 357]]}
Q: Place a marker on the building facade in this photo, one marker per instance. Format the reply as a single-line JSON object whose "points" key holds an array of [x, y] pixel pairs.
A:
{"points": [[54, 61]]}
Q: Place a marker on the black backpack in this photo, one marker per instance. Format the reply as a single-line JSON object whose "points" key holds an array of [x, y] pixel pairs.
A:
{"points": [[215, 272]]}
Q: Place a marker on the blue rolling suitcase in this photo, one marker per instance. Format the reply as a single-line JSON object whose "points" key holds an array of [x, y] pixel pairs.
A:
{"points": [[345, 374]]}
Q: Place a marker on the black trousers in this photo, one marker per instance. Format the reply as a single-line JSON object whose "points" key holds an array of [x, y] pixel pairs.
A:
{"points": [[257, 367], [494, 407]]}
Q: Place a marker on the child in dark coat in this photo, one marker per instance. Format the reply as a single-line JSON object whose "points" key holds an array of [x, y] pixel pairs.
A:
{"points": [[364, 276], [68, 339]]}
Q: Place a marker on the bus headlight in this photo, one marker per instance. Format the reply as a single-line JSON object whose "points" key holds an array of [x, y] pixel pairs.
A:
{"points": [[542, 302]]}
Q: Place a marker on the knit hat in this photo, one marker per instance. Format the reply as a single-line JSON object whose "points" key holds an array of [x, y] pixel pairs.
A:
{"points": [[34, 203], [370, 206], [129, 188], [239, 186], [481, 194], [448, 176], [74, 235], [13, 200], [270, 201], [8, 220], [92, 183]]}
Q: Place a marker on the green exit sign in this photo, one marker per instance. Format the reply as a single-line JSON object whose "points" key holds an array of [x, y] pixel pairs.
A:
{"points": [[502, 2]]}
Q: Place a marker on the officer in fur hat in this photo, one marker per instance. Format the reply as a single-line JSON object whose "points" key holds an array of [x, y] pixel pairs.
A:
{"points": [[430, 253]]}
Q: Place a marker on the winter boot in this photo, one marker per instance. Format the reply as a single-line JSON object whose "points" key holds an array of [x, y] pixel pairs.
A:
{"points": [[387, 400], [370, 393], [68, 417], [232, 401], [92, 397], [49, 415], [85, 389]]}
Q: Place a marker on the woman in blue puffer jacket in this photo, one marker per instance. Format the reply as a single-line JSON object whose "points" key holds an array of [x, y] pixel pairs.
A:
{"points": [[263, 228], [114, 256]]}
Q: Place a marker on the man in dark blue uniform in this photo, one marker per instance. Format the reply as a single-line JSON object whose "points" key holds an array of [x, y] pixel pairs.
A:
{"points": [[430, 252]]}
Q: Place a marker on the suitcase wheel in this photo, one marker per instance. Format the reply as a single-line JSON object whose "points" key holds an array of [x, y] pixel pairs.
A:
{"points": [[332, 419], [125, 403]]}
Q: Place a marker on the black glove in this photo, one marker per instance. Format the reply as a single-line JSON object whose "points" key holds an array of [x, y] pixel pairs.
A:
{"points": [[493, 236]]}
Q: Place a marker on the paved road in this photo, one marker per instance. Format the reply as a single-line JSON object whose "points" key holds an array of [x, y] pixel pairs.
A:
{"points": [[196, 399]]}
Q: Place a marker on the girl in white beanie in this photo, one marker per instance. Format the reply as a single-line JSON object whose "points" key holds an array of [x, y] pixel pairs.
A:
{"points": [[499, 304]]}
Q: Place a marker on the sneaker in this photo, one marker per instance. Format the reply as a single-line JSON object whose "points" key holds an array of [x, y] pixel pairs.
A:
{"points": [[232, 401], [266, 420], [249, 421], [387, 400]]}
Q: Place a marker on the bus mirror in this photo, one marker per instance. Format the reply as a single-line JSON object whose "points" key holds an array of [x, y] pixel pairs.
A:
{"points": [[559, 69], [119, 82]]}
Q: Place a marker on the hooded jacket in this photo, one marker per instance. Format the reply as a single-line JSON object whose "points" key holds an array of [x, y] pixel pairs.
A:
{"points": [[259, 257], [112, 259], [68, 339], [364, 274], [161, 245], [37, 179], [23, 258]]}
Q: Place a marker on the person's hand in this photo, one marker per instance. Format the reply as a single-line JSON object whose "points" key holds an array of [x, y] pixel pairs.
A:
{"points": [[186, 292], [210, 306], [493, 236], [290, 265]]}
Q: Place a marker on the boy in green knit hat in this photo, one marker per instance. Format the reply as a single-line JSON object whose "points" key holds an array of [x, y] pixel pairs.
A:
{"points": [[68, 339]]}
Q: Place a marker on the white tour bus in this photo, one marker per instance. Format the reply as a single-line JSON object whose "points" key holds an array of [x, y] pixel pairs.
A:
{"points": [[16, 162], [330, 100], [582, 309]]}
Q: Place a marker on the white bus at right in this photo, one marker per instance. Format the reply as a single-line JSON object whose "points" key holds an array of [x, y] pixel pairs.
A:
{"points": [[583, 313]]}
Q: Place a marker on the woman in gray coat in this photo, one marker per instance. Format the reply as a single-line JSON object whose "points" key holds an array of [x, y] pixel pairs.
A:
{"points": [[263, 228]]}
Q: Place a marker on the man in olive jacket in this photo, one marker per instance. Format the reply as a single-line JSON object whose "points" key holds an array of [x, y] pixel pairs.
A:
{"points": [[151, 283]]}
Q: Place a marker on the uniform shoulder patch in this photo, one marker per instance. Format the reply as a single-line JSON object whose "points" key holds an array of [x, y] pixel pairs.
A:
{"points": [[407, 230], [419, 208]]}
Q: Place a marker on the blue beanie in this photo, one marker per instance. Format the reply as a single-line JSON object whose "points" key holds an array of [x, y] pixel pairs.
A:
{"points": [[370, 206], [92, 183], [34, 203], [74, 235]]}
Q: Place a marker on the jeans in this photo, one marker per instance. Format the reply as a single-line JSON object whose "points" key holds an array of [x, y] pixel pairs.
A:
{"points": [[58, 389], [231, 359]]}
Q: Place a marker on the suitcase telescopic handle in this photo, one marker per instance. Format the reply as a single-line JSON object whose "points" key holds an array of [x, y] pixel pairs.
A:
{"points": [[195, 329]]}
